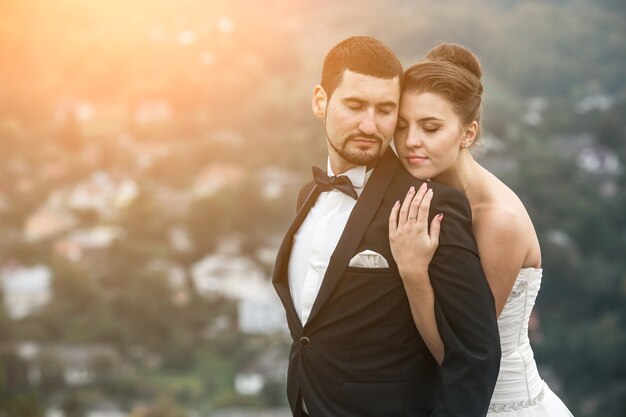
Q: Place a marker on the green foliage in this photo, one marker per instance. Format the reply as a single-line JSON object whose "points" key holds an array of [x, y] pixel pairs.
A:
{"points": [[22, 405], [163, 407], [72, 406], [18, 398]]}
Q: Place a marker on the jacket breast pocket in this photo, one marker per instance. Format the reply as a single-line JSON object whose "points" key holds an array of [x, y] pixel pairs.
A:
{"points": [[391, 271]]}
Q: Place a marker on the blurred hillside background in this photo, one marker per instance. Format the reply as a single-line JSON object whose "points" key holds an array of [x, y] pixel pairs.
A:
{"points": [[150, 156]]}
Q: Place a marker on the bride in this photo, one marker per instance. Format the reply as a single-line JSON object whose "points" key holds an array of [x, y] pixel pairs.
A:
{"points": [[439, 120]]}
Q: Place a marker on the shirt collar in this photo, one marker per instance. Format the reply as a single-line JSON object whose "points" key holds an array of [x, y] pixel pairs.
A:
{"points": [[392, 145], [357, 175]]}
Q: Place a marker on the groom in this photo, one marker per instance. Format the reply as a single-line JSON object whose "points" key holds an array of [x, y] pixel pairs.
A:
{"points": [[356, 351]]}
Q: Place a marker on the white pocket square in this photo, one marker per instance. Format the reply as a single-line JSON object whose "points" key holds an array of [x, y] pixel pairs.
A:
{"points": [[369, 259]]}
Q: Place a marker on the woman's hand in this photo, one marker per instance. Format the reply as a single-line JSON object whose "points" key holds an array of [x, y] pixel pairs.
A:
{"points": [[413, 248], [412, 245]]}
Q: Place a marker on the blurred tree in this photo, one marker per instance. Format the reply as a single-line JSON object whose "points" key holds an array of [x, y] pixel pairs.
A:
{"points": [[6, 332], [73, 406], [18, 398], [164, 407]]}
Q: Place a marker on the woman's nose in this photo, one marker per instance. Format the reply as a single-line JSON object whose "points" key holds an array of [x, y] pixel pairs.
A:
{"points": [[413, 139]]}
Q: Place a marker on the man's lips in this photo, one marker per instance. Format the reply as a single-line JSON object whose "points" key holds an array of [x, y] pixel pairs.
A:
{"points": [[365, 143], [365, 140], [416, 159]]}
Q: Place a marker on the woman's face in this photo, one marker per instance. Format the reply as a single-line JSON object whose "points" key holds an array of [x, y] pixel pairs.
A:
{"points": [[428, 135]]}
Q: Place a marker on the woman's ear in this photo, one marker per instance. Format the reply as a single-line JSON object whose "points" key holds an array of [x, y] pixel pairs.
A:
{"points": [[470, 134], [320, 100]]}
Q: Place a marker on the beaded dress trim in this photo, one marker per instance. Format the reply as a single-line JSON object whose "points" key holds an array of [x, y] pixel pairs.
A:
{"points": [[516, 292], [516, 405]]}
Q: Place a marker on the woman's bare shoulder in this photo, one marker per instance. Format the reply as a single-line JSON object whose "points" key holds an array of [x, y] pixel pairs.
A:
{"points": [[502, 224]]}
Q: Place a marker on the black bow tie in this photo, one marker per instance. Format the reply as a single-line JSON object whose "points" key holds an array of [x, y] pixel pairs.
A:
{"points": [[326, 183]]}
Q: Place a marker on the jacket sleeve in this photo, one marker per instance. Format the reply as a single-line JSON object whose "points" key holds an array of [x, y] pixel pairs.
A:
{"points": [[465, 313]]}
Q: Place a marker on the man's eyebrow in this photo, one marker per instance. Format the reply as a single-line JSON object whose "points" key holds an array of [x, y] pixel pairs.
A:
{"points": [[361, 101], [355, 99], [388, 104]]}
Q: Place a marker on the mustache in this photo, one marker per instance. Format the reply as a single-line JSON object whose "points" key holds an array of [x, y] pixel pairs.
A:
{"points": [[364, 136]]}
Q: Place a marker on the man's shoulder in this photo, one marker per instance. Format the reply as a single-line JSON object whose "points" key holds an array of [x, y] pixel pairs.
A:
{"points": [[304, 193], [306, 188], [441, 193]]}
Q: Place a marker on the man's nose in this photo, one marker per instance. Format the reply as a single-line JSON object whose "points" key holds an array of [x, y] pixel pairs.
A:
{"points": [[368, 123]]}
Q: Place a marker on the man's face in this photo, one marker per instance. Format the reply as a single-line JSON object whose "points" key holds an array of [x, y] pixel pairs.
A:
{"points": [[360, 118]]}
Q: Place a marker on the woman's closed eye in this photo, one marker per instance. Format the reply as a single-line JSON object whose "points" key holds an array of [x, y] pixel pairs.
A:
{"points": [[430, 129]]}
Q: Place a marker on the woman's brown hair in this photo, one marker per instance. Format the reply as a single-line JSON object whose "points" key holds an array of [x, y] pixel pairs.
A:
{"points": [[454, 72]]}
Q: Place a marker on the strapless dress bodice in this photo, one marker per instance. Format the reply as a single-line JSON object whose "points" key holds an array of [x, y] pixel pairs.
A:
{"points": [[519, 383]]}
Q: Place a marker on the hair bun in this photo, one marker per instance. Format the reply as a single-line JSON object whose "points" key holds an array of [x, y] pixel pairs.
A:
{"points": [[457, 55]]}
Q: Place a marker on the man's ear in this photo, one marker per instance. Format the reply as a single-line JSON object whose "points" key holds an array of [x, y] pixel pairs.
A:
{"points": [[320, 100]]}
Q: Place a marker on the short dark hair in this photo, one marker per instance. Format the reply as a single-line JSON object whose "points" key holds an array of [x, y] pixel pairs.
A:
{"points": [[362, 54]]}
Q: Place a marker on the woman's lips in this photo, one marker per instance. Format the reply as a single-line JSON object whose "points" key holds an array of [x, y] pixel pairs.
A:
{"points": [[416, 160]]}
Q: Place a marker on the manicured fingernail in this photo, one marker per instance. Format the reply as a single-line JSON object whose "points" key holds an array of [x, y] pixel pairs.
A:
{"points": [[439, 217], [430, 191], [423, 186], [411, 190]]}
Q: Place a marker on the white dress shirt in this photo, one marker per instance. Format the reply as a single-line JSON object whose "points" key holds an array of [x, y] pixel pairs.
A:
{"points": [[316, 239]]}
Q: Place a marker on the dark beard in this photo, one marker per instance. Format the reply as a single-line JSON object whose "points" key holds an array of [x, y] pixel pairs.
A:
{"points": [[357, 158]]}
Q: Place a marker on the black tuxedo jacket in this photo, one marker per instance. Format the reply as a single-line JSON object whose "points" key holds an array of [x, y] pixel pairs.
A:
{"points": [[360, 354]]}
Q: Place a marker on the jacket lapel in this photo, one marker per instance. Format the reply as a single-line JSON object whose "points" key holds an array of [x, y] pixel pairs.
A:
{"points": [[359, 220], [279, 276]]}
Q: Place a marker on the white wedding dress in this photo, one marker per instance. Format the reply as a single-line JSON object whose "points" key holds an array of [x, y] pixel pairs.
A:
{"points": [[520, 391]]}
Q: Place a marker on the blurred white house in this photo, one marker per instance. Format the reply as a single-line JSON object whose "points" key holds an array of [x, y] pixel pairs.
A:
{"points": [[25, 288], [239, 278]]}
